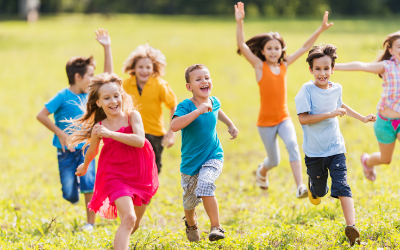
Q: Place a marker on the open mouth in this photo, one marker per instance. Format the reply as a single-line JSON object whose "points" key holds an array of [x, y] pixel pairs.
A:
{"points": [[322, 79], [204, 88], [114, 108]]}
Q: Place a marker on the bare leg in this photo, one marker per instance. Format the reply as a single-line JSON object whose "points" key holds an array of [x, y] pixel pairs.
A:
{"points": [[126, 211], [189, 214], [139, 211], [264, 171], [211, 206], [382, 157], [348, 210], [296, 169], [91, 215]]}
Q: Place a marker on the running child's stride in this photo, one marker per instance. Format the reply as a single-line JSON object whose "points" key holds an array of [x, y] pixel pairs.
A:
{"points": [[318, 104], [202, 154], [126, 178], [267, 54]]}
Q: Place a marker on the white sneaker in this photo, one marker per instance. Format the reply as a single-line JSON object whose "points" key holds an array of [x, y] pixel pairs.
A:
{"points": [[87, 227]]}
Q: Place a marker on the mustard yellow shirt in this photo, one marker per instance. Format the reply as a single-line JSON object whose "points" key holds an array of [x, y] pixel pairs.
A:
{"points": [[154, 93]]}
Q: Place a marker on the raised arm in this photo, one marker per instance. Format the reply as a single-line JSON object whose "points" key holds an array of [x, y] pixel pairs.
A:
{"points": [[104, 39], [253, 59], [376, 67], [231, 127], [310, 42], [352, 113], [180, 122]]}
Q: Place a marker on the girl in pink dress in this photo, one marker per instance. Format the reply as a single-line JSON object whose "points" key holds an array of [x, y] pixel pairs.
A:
{"points": [[126, 176]]}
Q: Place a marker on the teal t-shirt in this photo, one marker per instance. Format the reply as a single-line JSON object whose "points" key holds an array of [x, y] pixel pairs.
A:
{"points": [[200, 142]]}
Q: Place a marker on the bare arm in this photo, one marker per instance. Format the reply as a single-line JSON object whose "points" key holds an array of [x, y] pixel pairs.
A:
{"points": [[253, 59], [310, 42], [43, 117], [169, 137], [91, 153], [376, 67], [352, 113], [231, 127], [306, 118], [180, 122], [104, 39]]}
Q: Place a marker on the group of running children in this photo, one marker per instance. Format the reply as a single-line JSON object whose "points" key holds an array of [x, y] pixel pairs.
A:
{"points": [[126, 115]]}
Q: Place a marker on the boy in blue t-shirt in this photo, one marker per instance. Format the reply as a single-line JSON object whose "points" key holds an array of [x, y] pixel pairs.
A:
{"points": [[66, 105], [202, 154], [318, 104]]}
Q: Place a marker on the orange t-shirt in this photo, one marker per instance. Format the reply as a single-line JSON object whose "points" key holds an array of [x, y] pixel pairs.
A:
{"points": [[274, 109]]}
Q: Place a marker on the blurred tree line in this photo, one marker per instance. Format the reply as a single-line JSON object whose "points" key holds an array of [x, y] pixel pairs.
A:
{"points": [[272, 8]]}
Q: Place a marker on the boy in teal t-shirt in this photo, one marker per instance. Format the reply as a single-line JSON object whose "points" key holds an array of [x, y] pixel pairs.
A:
{"points": [[202, 154]]}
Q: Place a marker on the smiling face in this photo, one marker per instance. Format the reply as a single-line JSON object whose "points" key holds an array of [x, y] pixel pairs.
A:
{"points": [[143, 70], [272, 51], [200, 83], [322, 70], [110, 99], [395, 49], [83, 82]]}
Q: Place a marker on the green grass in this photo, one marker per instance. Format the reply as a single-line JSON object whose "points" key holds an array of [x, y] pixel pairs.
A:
{"points": [[33, 214]]}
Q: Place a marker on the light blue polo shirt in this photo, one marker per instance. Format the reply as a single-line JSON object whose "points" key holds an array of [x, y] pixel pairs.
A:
{"points": [[65, 105], [323, 138], [200, 142]]}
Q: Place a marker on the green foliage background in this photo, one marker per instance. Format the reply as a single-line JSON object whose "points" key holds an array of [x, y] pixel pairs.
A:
{"points": [[33, 214]]}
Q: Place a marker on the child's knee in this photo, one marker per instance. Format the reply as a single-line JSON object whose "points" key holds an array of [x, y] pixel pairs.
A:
{"points": [[271, 162], [129, 220]]}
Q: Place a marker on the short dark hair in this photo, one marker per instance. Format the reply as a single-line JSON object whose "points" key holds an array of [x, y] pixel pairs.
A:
{"points": [[321, 51], [78, 65], [191, 69]]}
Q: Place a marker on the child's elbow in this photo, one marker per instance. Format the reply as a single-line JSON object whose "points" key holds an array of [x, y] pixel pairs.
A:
{"points": [[174, 127], [142, 142], [303, 121]]}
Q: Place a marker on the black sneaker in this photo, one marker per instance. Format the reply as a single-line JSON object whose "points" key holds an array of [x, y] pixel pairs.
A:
{"points": [[313, 199]]}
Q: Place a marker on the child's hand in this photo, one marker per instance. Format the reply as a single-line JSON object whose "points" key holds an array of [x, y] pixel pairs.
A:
{"points": [[369, 118], [101, 131], [168, 140], [81, 170], [325, 25], [338, 112], [233, 131], [239, 11], [102, 37], [204, 108], [63, 141]]}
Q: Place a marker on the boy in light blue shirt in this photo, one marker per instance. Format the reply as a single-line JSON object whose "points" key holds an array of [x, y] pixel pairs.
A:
{"points": [[318, 104], [202, 154]]}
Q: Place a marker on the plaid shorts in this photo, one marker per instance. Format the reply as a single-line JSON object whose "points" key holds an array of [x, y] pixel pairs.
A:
{"points": [[201, 184]]}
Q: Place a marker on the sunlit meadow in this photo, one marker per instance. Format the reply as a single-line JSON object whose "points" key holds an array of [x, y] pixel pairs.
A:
{"points": [[33, 214]]}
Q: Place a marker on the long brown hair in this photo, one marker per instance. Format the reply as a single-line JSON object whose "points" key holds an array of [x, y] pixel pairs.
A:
{"points": [[257, 43], [387, 44], [81, 128]]}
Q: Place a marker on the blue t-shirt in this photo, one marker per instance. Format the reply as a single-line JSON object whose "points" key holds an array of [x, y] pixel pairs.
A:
{"points": [[200, 142], [323, 138], [65, 105]]}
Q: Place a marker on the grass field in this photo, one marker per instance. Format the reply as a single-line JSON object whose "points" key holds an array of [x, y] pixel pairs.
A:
{"points": [[33, 214]]}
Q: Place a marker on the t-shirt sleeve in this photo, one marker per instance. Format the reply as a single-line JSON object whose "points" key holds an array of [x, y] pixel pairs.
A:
{"points": [[54, 103], [340, 101], [216, 103], [181, 109], [167, 96], [303, 101]]}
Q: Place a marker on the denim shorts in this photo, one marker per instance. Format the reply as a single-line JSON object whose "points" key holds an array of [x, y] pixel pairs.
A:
{"points": [[317, 170], [384, 131], [71, 184]]}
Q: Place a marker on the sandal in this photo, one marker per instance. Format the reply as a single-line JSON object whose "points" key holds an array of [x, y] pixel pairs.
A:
{"points": [[369, 173], [352, 234], [302, 191], [262, 181]]}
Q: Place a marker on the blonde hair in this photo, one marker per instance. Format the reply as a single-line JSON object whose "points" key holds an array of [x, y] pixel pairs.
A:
{"points": [[81, 128], [146, 51]]}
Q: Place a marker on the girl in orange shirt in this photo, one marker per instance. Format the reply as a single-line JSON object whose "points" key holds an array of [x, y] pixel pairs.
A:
{"points": [[267, 53]]}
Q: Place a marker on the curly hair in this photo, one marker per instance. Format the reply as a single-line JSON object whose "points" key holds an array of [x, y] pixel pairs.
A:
{"points": [[78, 65], [81, 128], [321, 51], [145, 51], [256, 45]]}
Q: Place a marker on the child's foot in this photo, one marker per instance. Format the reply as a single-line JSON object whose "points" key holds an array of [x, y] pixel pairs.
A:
{"points": [[262, 181], [302, 191], [369, 173], [192, 232], [87, 227], [216, 233], [352, 234], [313, 199]]}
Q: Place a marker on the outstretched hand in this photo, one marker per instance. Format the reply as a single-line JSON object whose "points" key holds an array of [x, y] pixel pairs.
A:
{"points": [[102, 37], [325, 25], [239, 11]]}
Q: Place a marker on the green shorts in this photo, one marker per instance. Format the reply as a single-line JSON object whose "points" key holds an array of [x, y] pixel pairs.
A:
{"points": [[384, 131]]}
